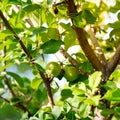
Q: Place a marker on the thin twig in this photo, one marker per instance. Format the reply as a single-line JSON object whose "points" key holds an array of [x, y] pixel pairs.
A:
{"points": [[47, 84], [9, 86], [4, 99]]}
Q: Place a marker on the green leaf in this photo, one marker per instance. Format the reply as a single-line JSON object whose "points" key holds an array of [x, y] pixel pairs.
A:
{"points": [[82, 18], [79, 20], [39, 67], [66, 93], [89, 17], [87, 67], [56, 111], [84, 110], [110, 85], [20, 16], [117, 109], [93, 100], [80, 57], [115, 32], [78, 91], [71, 115], [107, 112], [116, 75], [53, 33], [36, 82], [4, 34], [51, 46], [18, 79], [16, 2], [49, 2], [115, 25], [118, 16], [112, 95], [70, 38], [49, 18], [31, 8], [94, 80]]}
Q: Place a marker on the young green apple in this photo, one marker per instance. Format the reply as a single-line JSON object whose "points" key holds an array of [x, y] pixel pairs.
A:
{"points": [[71, 73], [53, 69]]}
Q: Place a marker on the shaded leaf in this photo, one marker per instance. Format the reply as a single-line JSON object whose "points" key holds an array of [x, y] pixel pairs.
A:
{"points": [[89, 17], [66, 93], [31, 7], [71, 115], [18, 79], [87, 67], [118, 15], [39, 67], [107, 112], [49, 2], [115, 25], [51, 46]]}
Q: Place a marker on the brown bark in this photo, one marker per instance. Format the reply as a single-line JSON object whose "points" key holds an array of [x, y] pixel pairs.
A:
{"points": [[82, 39], [96, 47], [114, 61]]}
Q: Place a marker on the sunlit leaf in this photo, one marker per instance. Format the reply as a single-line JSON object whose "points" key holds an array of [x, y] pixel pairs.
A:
{"points": [[36, 82], [49, 18], [93, 100], [17, 2], [94, 80], [56, 111], [4, 34], [84, 110], [112, 95], [78, 91], [70, 38], [53, 33], [79, 20]]}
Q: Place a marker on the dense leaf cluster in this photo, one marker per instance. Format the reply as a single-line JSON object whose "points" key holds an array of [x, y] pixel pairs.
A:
{"points": [[83, 82]]}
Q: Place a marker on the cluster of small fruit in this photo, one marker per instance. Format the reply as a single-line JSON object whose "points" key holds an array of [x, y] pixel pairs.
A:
{"points": [[54, 69]]}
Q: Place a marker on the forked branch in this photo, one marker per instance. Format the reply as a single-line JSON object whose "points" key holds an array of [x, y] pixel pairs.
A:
{"points": [[82, 39]]}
